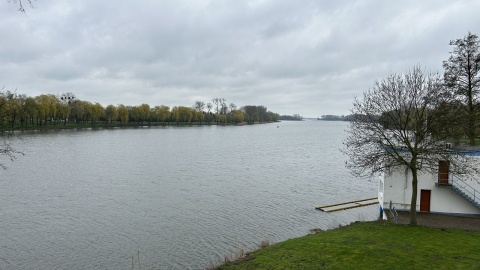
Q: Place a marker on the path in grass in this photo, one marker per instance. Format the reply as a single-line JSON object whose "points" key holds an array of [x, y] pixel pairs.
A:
{"points": [[372, 245], [469, 223]]}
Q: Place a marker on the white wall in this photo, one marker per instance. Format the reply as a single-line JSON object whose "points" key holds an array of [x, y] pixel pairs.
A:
{"points": [[398, 189], [381, 195]]}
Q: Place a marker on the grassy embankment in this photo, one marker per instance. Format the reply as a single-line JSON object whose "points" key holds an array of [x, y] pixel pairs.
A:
{"points": [[371, 245]]}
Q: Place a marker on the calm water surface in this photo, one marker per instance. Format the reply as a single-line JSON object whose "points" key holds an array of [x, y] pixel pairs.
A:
{"points": [[182, 196]]}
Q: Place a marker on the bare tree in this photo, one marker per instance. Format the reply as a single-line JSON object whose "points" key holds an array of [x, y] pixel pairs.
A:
{"points": [[390, 130], [216, 101], [462, 76], [67, 98], [232, 107], [224, 108], [199, 106]]}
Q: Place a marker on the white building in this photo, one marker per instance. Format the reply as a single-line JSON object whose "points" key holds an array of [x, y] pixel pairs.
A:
{"points": [[442, 192]]}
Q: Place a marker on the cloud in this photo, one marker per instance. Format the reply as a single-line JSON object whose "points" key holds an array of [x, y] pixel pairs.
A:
{"points": [[307, 57]]}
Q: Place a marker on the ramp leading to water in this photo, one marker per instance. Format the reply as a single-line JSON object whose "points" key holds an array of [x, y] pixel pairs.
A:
{"points": [[347, 205]]}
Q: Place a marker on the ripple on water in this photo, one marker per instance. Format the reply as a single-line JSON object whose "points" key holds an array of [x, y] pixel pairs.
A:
{"points": [[183, 197]]}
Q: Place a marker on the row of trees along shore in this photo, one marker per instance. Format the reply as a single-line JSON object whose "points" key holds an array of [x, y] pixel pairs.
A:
{"points": [[404, 121], [48, 110]]}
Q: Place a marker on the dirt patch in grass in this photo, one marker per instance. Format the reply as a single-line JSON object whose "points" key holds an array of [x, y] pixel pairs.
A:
{"points": [[440, 221]]}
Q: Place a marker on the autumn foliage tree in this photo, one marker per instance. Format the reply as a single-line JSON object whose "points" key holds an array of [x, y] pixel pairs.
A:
{"points": [[111, 113], [47, 110]]}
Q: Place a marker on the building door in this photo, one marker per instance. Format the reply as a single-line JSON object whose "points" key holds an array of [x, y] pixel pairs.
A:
{"points": [[443, 170], [425, 200]]}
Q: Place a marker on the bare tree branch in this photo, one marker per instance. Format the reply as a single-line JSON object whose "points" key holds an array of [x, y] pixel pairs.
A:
{"points": [[393, 128], [6, 98], [20, 4]]}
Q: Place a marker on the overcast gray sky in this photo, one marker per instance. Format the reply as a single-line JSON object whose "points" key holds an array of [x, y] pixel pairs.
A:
{"points": [[305, 57]]}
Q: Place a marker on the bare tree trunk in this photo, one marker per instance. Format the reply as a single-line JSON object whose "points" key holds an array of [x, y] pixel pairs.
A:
{"points": [[413, 204], [471, 129], [471, 119]]}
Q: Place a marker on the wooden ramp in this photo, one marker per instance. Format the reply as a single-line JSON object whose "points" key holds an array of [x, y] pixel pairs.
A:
{"points": [[347, 205]]}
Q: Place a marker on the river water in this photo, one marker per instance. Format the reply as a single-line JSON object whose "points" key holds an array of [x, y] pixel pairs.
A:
{"points": [[180, 197]]}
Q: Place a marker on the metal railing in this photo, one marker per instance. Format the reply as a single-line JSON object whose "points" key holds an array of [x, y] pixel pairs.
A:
{"points": [[467, 189], [394, 213]]}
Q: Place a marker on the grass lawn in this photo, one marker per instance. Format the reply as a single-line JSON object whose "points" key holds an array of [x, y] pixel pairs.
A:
{"points": [[371, 245]]}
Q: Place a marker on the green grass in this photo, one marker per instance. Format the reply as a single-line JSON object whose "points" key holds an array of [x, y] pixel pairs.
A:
{"points": [[371, 245]]}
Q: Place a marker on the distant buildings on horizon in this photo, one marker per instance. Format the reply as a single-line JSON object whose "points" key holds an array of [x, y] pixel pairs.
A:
{"points": [[330, 117]]}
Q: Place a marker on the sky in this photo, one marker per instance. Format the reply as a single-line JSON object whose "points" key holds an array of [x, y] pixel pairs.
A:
{"points": [[308, 57]]}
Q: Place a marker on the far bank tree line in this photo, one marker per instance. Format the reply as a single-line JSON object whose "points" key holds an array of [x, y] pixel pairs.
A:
{"points": [[48, 110]]}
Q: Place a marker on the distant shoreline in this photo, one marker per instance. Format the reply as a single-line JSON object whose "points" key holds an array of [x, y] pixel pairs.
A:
{"points": [[331, 120], [118, 125]]}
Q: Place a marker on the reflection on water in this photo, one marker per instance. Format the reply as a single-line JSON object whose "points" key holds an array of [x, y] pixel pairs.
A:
{"points": [[182, 196]]}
